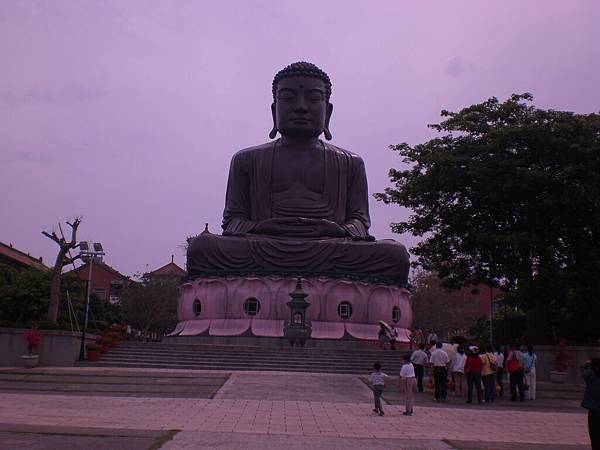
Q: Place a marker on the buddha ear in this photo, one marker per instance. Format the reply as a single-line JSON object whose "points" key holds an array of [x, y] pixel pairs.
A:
{"points": [[273, 131], [328, 113]]}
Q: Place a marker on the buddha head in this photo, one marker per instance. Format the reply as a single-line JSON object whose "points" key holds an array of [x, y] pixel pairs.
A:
{"points": [[301, 107]]}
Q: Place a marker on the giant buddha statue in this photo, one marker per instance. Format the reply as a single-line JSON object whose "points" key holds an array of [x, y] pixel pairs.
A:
{"points": [[295, 206]]}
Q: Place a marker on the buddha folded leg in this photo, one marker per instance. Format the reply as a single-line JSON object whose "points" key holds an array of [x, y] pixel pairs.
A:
{"points": [[209, 253]]}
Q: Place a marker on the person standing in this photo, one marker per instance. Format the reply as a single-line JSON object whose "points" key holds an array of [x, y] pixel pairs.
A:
{"points": [[529, 363], [488, 375], [499, 354], [514, 366], [419, 360], [393, 338], [439, 359], [432, 338], [408, 382], [382, 335], [458, 371], [473, 373], [590, 372], [419, 336], [378, 380]]}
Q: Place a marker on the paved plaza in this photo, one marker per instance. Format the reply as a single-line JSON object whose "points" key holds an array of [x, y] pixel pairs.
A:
{"points": [[256, 410]]}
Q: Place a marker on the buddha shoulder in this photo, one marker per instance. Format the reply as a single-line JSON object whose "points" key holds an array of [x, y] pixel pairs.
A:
{"points": [[253, 151], [264, 151], [342, 152]]}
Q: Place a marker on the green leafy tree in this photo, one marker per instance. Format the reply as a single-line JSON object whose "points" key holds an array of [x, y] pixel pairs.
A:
{"points": [[151, 304], [24, 295], [509, 195]]}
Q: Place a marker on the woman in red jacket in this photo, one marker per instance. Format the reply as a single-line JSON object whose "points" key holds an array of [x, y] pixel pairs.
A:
{"points": [[473, 374]]}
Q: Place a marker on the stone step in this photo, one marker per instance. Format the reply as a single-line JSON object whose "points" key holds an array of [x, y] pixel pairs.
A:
{"points": [[157, 365], [92, 387], [249, 349], [361, 366], [106, 379], [258, 352], [208, 356], [245, 356], [113, 383], [291, 357], [226, 359]]}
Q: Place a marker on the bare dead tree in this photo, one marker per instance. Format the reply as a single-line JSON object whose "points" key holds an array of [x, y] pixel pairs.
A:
{"points": [[61, 260]]}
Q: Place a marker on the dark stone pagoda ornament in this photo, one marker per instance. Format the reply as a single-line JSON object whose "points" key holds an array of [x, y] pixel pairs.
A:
{"points": [[297, 330]]}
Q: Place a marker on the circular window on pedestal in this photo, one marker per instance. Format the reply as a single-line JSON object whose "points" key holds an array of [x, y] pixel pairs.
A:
{"points": [[251, 306], [396, 314], [345, 310], [197, 307]]}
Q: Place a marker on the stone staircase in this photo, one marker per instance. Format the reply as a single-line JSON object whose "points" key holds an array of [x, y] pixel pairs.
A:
{"points": [[114, 382], [202, 356]]}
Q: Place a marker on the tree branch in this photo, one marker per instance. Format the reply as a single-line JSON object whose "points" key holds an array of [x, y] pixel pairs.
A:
{"points": [[52, 236], [74, 227], [71, 260]]}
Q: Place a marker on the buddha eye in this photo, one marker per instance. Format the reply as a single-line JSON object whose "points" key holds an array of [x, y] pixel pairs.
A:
{"points": [[315, 97], [286, 96]]}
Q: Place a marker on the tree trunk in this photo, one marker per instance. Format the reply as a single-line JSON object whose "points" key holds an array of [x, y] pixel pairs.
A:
{"points": [[55, 286], [61, 260]]}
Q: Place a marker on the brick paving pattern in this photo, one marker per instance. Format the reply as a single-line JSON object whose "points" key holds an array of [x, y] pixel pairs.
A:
{"points": [[303, 418]]}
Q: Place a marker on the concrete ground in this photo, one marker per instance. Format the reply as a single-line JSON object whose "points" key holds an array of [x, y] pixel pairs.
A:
{"points": [[258, 410]]}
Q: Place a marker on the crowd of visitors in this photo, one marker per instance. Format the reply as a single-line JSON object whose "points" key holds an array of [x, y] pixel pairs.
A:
{"points": [[461, 370], [483, 370]]}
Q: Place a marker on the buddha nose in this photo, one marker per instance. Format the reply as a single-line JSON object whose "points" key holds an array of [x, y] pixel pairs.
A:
{"points": [[301, 105]]}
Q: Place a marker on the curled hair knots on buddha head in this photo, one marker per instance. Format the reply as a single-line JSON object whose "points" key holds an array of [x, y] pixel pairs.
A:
{"points": [[303, 69]]}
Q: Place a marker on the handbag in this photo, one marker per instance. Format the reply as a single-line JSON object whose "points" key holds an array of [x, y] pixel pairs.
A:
{"points": [[513, 364]]}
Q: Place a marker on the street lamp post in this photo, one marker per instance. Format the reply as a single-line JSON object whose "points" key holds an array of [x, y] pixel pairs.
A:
{"points": [[87, 255]]}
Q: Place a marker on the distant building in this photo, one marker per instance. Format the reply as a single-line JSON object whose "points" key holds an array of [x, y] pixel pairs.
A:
{"points": [[487, 296], [107, 282], [11, 257], [170, 270]]}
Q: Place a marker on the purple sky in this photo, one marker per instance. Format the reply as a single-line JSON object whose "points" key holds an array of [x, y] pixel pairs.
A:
{"points": [[128, 112]]}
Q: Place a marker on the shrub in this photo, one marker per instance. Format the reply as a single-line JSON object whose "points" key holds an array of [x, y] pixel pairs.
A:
{"points": [[103, 340], [92, 347], [562, 357], [33, 339]]}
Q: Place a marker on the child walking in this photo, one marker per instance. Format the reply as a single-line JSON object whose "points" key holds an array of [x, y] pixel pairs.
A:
{"points": [[378, 381], [408, 381]]}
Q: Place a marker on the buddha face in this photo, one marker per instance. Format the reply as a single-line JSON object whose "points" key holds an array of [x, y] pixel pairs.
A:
{"points": [[301, 108]]}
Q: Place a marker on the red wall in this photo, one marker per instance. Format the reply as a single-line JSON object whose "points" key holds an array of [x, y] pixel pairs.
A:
{"points": [[101, 278]]}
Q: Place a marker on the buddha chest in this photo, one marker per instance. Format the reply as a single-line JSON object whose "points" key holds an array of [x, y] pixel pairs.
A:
{"points": [[298, 172]]}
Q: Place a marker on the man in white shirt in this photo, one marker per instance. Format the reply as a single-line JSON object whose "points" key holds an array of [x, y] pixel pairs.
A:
{"points": [[419, 360], [407, 380], [439, 359]]}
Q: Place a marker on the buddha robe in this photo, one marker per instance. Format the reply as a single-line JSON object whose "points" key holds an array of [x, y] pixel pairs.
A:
{"points": [[335, 188]]}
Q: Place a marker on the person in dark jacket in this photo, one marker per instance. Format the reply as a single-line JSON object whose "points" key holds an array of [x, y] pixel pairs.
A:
{"points": [[591, 399]]}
